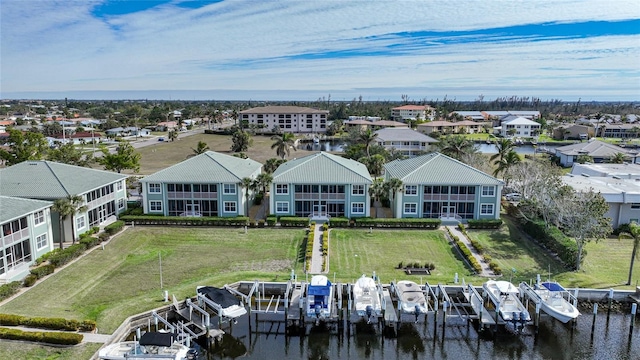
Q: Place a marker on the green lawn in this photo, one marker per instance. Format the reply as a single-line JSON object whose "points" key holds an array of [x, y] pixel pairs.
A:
{"points": [[354, 252], [606, 264], [124, 279], [32, 351]]}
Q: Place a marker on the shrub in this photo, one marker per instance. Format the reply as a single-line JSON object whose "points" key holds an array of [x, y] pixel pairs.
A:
{"points": [[257, 200], [398, 223], [291, 221], [554, 240], [42, 271], [272, 220], [47, 323], [9, 289], [400, 265], [339, 222], [114, 227], [261, 223], [484, 224], [479, 248], [11, 320], [61, 257], [59, 338], [30, 280], [87, 325]]}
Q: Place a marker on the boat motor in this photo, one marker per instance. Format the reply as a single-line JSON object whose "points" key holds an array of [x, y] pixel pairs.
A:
{"points": [[318, 310], [417, 312], [369, 311], [192, 354]]}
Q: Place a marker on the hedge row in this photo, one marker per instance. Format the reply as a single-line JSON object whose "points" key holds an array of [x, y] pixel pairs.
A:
{"points": [[59, 338], [114, 227], [484, 224], [47, 323], [191, 221], [398, 223], [294, 221], [9, 289], [467, 253], [554, 240]]}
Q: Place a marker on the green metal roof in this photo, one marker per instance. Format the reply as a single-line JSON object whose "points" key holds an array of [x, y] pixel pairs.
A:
{"points": [[13, 208], [52, 180], [210, 167], [322, 168], [434, 169]]}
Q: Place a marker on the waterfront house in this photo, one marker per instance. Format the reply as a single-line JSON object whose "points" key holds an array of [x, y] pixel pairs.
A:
{"points": [[520, 127], [204, 185], [412, 112], [26, 235], [104, 192], [439, 187], [404, 141], [321, 185], [597, 150]]}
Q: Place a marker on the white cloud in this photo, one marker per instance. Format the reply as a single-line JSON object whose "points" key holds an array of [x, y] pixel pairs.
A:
{"points": [[255, 45]]}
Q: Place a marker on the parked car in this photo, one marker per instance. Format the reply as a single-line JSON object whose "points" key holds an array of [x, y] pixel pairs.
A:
{"points": [[160, 139], [512, 197]]}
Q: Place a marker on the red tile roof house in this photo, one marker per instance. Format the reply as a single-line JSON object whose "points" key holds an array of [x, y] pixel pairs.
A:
{"points": [[77, 138]]}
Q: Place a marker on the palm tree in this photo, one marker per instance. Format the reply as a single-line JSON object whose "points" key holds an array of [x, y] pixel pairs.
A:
{"points": [[456, 146], [376, 191], [173, 134], [247, 184], [510, 159], [504, 146], [618, 158], [201, 148], [633, 234], [392, 186], [283, 144], [272, 164], [374, 163], [367, 137], [263, 181], [68, 207]]}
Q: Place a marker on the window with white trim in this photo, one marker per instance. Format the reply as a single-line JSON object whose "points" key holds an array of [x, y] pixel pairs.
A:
{"points": [[155, 205], [119, 185], [486, 209], [357, 190], [41, 241], [38, 217], [282, 189], [410, 208], [229, 189], [357, 208], [80, 223], [282, 207], [120, 203], [155, 189], [488, 191], [230, 206], [411, 190]]}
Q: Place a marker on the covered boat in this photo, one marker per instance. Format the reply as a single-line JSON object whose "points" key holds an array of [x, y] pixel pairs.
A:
{"points": [[411, 299], [319, 297], [152, 345], [225, 303]]}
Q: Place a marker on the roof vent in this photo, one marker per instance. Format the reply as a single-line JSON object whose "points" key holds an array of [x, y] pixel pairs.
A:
{"points": [[585, 175]]}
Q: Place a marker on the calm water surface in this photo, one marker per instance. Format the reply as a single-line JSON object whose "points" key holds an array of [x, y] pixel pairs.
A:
{"points": [[338, 146], [610, 340]]}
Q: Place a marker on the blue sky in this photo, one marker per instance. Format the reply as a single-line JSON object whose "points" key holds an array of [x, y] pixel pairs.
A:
{"points": [[304, 50]]}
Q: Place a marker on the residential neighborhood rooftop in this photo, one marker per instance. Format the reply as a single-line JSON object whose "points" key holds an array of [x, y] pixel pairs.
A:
{"points": [[14, 207], [322, 168]]}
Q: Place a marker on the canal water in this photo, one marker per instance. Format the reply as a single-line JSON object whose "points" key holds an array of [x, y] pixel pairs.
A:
{"points": [[610, 339], [339, 145]]}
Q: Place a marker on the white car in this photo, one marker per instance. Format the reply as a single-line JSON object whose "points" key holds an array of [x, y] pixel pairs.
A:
{"points": [[512, 197]]}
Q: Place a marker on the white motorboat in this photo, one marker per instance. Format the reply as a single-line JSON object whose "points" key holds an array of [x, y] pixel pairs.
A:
{"points": [[367, 298], [225, 303], [504, 296], [411, 299], [152, 345], [555, 301], [316, 141], [319, 297]]}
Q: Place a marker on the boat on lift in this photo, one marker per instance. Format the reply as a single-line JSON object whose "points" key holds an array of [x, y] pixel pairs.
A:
{"points": [[504, 296], [367, 298], [411, 299], [319, 298], [224, 302], [554, 300], [151, 346]]}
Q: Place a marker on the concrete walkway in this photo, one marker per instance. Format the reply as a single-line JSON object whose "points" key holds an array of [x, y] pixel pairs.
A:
{"points": [[316, 257], [486, 270]]}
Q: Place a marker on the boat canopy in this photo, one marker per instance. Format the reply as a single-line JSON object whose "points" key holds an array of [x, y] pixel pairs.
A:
{"points": [[324, 290], [553, 286], [219, 296], [157, 339]]}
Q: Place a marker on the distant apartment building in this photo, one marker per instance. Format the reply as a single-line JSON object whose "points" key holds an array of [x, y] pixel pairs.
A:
{"points": [[412, 112], [293, 119]]}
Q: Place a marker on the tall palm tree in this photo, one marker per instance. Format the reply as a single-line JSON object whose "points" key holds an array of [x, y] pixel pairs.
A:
{"points": [[504, 146], [263, 181], [633, 234], [283, 144], [376, 191], [510, 159], [456, 146], [392, 186], [68, 207], [247, 184], [201, 148], [367, 137], [374, 163], [272, 164]]}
